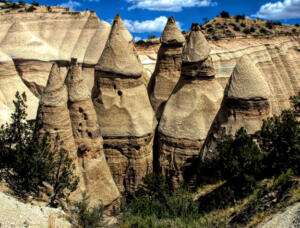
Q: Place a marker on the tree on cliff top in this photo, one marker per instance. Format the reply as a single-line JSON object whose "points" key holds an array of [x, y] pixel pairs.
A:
{"points": [[28, 160]]}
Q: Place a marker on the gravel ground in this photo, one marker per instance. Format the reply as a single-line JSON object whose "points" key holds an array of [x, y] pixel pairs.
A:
{"points": [[289, 218], [15, 214]]}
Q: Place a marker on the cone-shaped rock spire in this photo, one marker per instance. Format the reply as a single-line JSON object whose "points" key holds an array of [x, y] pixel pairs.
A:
{"points": [[77, 88], [53, 113], [189, 112], [247, 81], [197, 48], [168, 67], [97, 179], [245, 104], [124, 111], [171, 34], [55, 92], [119, 55]]}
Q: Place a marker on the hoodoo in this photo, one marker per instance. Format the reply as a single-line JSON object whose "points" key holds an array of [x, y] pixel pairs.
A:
{"points": [[54, 117], [168, 67], [53, 112], [97, 178], [124, 111], [189, 111], [245, 104]]}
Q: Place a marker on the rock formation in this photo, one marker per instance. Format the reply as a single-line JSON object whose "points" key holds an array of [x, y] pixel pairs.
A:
{"points": [[97, 180], [35, 40], [10, 83], [168, 67], [190, 110], [54, 117], [124, 111], [245, 104], [53, 112]]}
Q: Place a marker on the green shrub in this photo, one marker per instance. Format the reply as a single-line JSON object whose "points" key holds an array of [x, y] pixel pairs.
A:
{"points": [[252, 29], [239, 161], [280, 139], [154, 198], [236, 28], [224, 14], [35, 3], [243, 25], [239, 17], [247, 31], [30, 9], [27, 159], [88, 217]]}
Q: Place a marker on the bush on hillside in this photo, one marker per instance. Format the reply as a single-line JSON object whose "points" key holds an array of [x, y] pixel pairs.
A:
{"points": [[154, 198], [280, 139], [27, 160], [88, 217], [239, 17], [224, 14], [35, 3], [30, 9], [239, 161]]}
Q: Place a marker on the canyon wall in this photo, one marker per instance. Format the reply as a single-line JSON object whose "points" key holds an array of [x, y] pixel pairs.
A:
{"points": [[277, 58], [112, 81]]}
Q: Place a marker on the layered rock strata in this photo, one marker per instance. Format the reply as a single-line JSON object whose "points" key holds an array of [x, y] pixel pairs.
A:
{"points": [[53, 112], [168, 67], [245, 104], [190, 110], [97, 179], [10, 83], [29, 42], [124, 110]]}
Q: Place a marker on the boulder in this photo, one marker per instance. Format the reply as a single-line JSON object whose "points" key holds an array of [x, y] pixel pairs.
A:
{"points": [[97, 179], [168, 66], [124, 112], [245, 104]]}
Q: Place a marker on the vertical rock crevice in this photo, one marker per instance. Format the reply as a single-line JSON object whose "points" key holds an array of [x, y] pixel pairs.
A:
{"points": [[98, 180]]}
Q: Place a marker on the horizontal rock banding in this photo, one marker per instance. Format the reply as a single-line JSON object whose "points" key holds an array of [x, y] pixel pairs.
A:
{"points": [[124, 110], [168, 67], [97, 180], [245, 104], [189, 111]]}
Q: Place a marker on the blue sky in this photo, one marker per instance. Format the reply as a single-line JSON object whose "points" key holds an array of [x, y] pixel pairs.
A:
{"points": [[143, 17]]}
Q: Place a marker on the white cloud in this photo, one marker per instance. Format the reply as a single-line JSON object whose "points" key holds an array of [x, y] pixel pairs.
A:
{"points": [[137, 38], [70, 4], [156, 25], [91, 0], [286, 9], [169, 5]]}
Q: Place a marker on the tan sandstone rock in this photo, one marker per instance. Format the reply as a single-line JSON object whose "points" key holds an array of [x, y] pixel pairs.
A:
{"points": [[197, 48], [97, 179], [245, 104], [124, 111], [10, 83], [119, 55], [188, 115], [54, 116], [168, 67]]}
